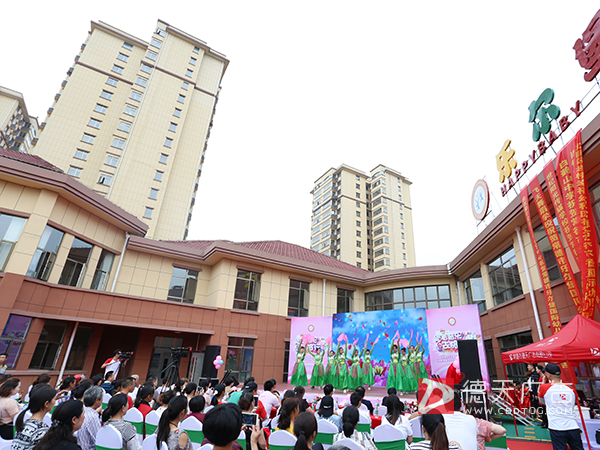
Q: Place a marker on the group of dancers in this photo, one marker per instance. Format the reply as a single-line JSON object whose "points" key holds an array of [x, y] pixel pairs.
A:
{"points": [[406, 365]]}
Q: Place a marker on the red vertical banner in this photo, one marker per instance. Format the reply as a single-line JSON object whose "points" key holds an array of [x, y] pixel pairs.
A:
{"points": [[555, 242], [555, 323]]}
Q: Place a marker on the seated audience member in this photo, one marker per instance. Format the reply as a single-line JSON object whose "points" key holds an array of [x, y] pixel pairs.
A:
{"points": [[190, 391], [356, 401], [367, 403], [304, 406], [230, 383], [92, 401], [127, 387], [44, 378], [163, 400], [460, 427], [486, 431], [390, 391], [246, 404], [252, 388], [196, 406], [30, 431], [108, 382], [289, 411], [397, 419], [350, 418], [269, 399], [67, 418], [218, 395], [168, 427], [136, 379], [326, 412], [235, 396], [434, 431], [145, 395], [9, 408], [287, 394], [113, 415], [78, 391], [222, 426], [64, 391], [305, 429], [97, 379]]}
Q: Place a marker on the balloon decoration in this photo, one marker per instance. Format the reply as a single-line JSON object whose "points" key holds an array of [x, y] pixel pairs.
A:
{"points": [[218, 362]]}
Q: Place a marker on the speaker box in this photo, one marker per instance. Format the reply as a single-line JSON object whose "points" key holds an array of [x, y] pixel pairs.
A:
{"points": [[468, 355], [208, 368]]}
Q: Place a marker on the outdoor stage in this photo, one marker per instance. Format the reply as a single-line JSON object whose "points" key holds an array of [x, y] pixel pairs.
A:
{"points": [[375, 394]]}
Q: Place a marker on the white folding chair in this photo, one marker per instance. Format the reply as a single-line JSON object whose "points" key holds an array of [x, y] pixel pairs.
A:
{"points": [[152, 419], [390, 435], [48, 419], [242, 439], [5, 445], [415, 424], [382, 410], [207, 447], [352, 445], [136, 418], [282, 440], [193, 427], [150, 443], [27, 415], [208, 408], [109, 438], [105, 399], [326, 430], [461, 428], [364, 423]]}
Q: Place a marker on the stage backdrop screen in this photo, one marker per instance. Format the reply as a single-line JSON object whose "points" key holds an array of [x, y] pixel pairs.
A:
{"points": [[381, 326], [317, 330], [448, 325]]}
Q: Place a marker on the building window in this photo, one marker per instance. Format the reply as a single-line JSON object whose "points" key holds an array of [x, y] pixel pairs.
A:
{"points": [[247, 290], [193, 61], [286, 358], [158, 175], [153, 193], [181, 98], [358, 223], [135, 96], [491, 362], [197, 50], [358, 254], [177, 112], [13, 338], [403, 255], [88, 138], [474, 291], [146, 68], [240, 352], [74, 269], [111, 160], [161, 32], [74, 171], [172, 126], [403, 245], [358, 243], [130, 110], [100, 109], [10, 230], [357, 213], [79, 348], [112, 81], [163, 158], [547, 252], [94, 123], [148, 213], [298, 299], [117, 69], [183, 285], [515, 371], [168, 142], [105, 179], [151, 55], [81, 154], [141, 82], [125, 126], [127, 45], [49, 344], [103, 270], [189, 72], [402, 235], [122, 57], [345, 298], [156, 43], [429, 297], [185, 85], [504, 277], [118, 143]]}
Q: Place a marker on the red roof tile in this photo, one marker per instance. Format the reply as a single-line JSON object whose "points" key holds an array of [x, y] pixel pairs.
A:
{"points": [[28, 159], [281, 248]]}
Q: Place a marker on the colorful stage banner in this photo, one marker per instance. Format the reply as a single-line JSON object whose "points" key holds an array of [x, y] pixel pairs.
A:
{"points": [[555, 323], [446, 327], [312, 333]]}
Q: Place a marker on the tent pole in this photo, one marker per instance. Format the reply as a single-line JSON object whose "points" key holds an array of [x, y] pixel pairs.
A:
{"points": [[511, 406], [574, 378]]}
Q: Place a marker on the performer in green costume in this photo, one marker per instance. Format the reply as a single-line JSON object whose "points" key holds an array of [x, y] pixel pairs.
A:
{"points": [[354, 380], [394, 369], [340, 375], [299, 373], [329, 371], [421, 371], [404, 367], [367, 369], [318, 373], [411, 375]]}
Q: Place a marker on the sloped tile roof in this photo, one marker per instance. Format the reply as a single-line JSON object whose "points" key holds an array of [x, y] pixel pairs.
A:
{"points": [[34, 160]]}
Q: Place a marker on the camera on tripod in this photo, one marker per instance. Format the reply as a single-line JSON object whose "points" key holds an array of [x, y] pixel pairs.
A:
{"points": [[124, 356], [180, 352]]}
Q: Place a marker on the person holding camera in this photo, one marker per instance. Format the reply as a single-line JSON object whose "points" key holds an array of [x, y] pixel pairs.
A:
{"points": [[112, 364]]}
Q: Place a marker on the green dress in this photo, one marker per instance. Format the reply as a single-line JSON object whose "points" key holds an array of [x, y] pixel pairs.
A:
{"points": [[411, 379], [403, 372], [299, 373], [318, 373], [354, 380], [328, 377], [394, 371], [339, 377], [367, 371], [422, 370]]}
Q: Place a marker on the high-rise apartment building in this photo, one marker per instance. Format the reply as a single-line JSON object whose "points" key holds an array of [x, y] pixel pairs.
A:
{"points": [[132, 120], [364, 220], [18, 129]]}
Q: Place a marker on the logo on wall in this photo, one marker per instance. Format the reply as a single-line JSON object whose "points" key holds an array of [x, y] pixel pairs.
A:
{"points": [[451, 321], [311, 328], [480, 200]]}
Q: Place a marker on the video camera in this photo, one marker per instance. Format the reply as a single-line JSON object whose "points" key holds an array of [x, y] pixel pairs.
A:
{"points": [[180, 352], [124, 356]]}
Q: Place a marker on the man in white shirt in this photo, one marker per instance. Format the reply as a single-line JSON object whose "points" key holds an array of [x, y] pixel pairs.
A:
{"points": [[112, 364], [92, 400], [461, 427], [268, 398], [559, 399]]}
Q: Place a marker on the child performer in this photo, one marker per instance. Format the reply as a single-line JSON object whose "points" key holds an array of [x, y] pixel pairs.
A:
{"points": [[411, 375], [318, 373], [403, 371], [299, 373], [354, 379], [367, 369], [340, 375], [394, 369], [328, 377], [420, 369]]}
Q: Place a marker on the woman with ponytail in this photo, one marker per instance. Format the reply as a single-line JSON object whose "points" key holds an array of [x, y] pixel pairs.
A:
{"points": [[396, 417], [145, 394], [350, 420], [434, 431], [67, 418], [218, 395], [290, 408], [305, 429], [41, 401], [168, 427], [113, 415]]}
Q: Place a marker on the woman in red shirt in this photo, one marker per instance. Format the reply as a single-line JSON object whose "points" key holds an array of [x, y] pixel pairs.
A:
{"points": [[143, 399]]}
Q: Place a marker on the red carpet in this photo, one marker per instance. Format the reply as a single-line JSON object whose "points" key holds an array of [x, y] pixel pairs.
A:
{"points": [[514, 444]]}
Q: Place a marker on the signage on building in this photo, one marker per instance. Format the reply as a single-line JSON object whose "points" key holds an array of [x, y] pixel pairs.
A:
{"points": [[480, 200]]}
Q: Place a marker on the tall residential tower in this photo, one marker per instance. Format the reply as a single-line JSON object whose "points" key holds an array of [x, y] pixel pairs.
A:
{"points": [[132, 120], [364, 220], [18, 129]]}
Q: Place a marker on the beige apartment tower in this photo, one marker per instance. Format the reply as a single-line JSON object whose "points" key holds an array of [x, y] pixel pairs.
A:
{"points": [[132, 120], [364, 220], [18, 130]]}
